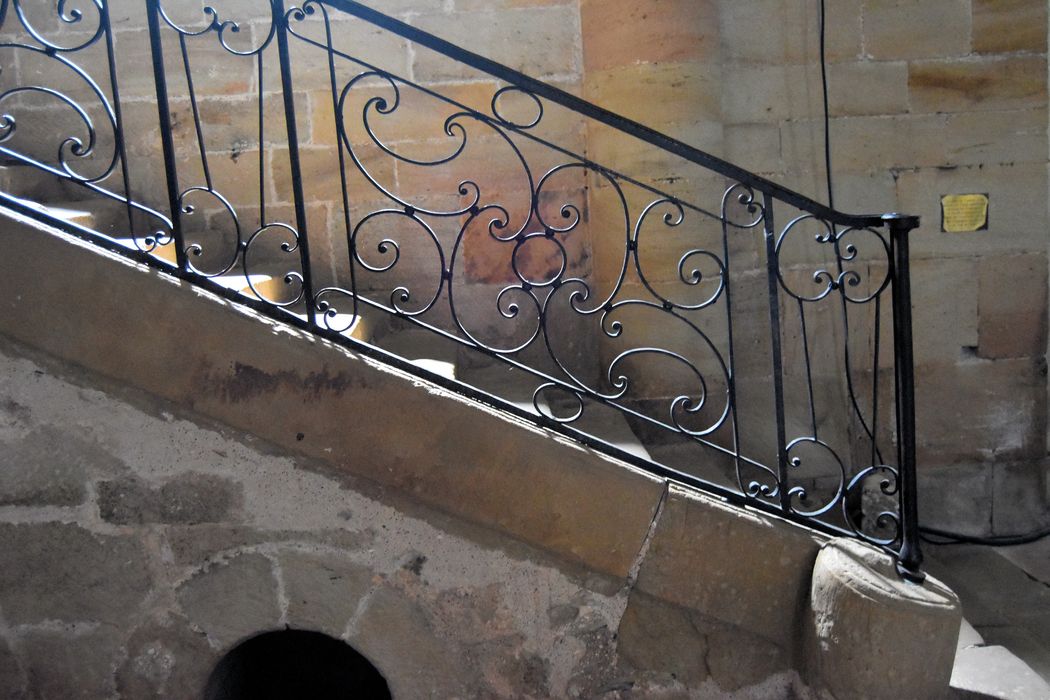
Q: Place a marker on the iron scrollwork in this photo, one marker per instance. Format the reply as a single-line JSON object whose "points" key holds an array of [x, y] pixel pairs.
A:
{"points": [[73, 152], [528, 227]]}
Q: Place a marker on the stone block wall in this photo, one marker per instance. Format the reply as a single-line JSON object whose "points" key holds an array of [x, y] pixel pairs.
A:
{"points": [[140, 545]]}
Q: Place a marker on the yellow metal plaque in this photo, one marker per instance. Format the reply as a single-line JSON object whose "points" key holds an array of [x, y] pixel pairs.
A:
{"points": [[964, 212]]}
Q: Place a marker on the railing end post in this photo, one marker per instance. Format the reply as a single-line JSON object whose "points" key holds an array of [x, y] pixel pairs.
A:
{"points": [[909, 559], [910, 571], [901, 222]]}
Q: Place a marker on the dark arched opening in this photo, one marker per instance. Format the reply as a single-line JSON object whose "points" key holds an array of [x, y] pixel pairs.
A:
{"points": [[294, 664]]}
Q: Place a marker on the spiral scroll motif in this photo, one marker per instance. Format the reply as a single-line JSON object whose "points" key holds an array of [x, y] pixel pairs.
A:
{"points": [[50, 39], [535, 296], [850, 279]]}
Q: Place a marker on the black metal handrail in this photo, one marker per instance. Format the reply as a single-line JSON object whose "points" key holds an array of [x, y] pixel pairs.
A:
{"points": [[857, 491], [596, 112]]}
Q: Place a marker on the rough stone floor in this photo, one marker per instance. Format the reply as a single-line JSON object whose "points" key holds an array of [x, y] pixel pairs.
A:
{"points": [[1005, 593]]}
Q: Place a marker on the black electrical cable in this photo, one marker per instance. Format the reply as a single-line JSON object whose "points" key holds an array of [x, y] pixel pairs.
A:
{"points": [[824, 85], [945, 536], [993, 541]]}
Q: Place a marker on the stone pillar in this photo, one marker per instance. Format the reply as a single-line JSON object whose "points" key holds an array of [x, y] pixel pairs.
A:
{"points": [[872, 635]]}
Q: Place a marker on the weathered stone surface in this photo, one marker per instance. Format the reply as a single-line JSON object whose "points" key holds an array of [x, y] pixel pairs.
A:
{"points": [[944, 332], [524, 673], [185, 499], [71, 663], [1000, 420], [754, 146], [1005, 26], [395, 635], [993, 672], [994, 595], [769, 31], [193, 545], [868, 87], [652, 165], [654, 635], [41, 469], [995, 84], [323, 591], [165, 659], [895, 29], [869, 143], [765, 93], [12, 678], [597, 673], [662, 95], [320, 172], [359, 39], [1012, 296], [232, 600], [1018, 501], [42, 562], [622, 32], [957, 497], [538, 41], [866, 619], [215, 70], [757, 587]]}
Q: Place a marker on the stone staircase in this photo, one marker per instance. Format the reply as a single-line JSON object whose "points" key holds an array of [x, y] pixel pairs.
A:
{"points": [[981, 670], [444, 358]]}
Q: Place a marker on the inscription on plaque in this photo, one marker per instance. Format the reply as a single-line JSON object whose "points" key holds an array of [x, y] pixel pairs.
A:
{"points": [[961, 213]]}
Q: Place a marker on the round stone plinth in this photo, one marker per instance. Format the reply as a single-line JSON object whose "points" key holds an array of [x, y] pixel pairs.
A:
{"points": [[874, 635]]}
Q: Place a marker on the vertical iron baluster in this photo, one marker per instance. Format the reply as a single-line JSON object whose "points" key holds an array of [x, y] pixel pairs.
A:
{"points": [[772, 277], [344, 191], [118, 136], [262, 147], [167, 142], [198, 128], [281, 24], [809, 368], [729, 337], [910, 558], [875, 455]]}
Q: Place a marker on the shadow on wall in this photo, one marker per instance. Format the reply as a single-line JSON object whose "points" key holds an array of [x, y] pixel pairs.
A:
{"points": [[294, 664]]}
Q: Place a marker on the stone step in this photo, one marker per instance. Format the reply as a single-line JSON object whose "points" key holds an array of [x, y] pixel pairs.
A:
{"points": [[1006, 603], [422, 348], [992, 671], [29, 182], [995, 672], [104, 216]]}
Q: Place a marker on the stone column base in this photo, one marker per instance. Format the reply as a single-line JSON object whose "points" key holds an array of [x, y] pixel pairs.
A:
{"points": [[871, 634]]}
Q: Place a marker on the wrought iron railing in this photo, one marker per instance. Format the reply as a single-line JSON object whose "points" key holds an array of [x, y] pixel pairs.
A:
{"points": [[711, 308]]}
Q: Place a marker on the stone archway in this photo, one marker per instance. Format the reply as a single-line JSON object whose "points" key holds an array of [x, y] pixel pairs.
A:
{"points": [[294, 663]]}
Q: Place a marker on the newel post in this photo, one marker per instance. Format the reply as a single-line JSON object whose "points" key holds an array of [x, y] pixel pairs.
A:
{"points": [[909, 560]]}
